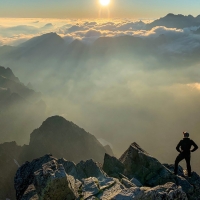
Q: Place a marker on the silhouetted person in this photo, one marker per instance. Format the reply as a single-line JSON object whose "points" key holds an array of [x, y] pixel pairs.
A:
{"points": [[184, 147]]}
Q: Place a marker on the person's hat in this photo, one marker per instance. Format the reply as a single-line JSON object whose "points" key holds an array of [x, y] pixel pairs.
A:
{"points": [[186, 134]]}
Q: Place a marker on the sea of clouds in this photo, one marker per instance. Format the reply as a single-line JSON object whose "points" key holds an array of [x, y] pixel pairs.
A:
{"points": [[16, 31]]}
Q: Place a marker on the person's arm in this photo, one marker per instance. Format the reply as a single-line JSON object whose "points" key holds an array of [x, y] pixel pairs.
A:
{"points": [[178, 147], [195, 146]]}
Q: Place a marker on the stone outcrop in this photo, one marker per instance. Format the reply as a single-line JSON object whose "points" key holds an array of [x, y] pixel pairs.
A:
{"points": [[112, 166], [136, 175], [148, 170]]}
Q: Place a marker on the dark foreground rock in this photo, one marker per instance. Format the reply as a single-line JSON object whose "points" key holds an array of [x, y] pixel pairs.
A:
{"points": [[136, 175]]}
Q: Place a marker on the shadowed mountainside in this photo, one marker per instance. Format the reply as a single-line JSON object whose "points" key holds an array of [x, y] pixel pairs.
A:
{"points": [[19, 108], [62, 138]]}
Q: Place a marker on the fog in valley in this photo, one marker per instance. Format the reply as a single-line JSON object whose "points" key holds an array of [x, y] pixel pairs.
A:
{"points": [[122, 81]]}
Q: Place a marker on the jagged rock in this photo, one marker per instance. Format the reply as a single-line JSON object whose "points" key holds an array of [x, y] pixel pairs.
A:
{"points": [[90, 187], [25, 174], [195, 182], [59, 179], [169, 191], [171, 168], [186, 186], [127, 183], [52, 182], [70, 167], [128, 194], [88, 169], [30, 193], [109, 193], [112, 166], [148, 170], [136, 182]]}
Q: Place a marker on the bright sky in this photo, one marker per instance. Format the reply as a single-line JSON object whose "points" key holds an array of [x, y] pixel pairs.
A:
{"points": [[91, 8]]}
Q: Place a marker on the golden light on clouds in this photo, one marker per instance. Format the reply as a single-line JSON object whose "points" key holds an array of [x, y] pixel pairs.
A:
{"points": [[194, 86], [104, 2]]}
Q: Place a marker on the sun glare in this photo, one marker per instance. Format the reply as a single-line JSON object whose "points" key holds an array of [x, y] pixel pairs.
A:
{"points": [[104, 2]]}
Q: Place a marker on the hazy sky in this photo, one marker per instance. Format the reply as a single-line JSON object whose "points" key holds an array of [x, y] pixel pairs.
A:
{"points": [[91, 8]]}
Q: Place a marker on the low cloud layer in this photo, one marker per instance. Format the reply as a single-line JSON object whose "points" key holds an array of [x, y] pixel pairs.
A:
{"points": [[13, 32]]}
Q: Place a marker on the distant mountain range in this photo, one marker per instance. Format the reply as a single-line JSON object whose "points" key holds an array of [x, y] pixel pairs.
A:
{"points": [[50, 53], [57, 136], [176, 21]]}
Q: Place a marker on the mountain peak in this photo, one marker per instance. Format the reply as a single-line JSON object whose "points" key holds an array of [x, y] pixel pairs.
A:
{"points": [[55, 121], [7, 73], [61, 137], [43, 40]]}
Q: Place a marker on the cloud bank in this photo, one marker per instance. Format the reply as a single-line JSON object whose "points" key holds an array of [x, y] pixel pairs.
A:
{"points": [[15, 32]]}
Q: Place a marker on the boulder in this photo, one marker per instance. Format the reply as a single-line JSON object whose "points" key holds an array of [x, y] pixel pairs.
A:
{"points": [[195, 182], [136, 182], [112, 166], [25, 174], [90, 187], [140, 177], [30, 193], [127, 183], [186, 186], [142, 166], [89, 168], [52, 182], [169, 191]]}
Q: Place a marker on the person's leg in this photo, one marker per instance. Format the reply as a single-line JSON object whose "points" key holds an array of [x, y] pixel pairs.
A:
{"points": [[187, 159], [178, 159]]}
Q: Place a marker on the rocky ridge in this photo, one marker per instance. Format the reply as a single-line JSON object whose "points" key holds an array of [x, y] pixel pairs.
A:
{"points": [[136, 175]]}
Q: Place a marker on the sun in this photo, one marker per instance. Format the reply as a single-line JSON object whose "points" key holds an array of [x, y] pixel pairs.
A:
{"points": [[104, 2]]}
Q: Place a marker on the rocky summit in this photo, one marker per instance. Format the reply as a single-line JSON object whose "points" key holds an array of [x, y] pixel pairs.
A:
{"points": [[136, 175]]}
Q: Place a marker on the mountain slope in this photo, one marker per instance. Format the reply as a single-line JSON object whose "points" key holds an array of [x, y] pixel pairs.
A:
{"points": [[62, 138], [45, 45], [9, 153], [20, 108]]}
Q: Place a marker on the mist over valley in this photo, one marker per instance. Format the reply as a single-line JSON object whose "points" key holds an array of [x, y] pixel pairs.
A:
{"points": [[140, 86]]}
